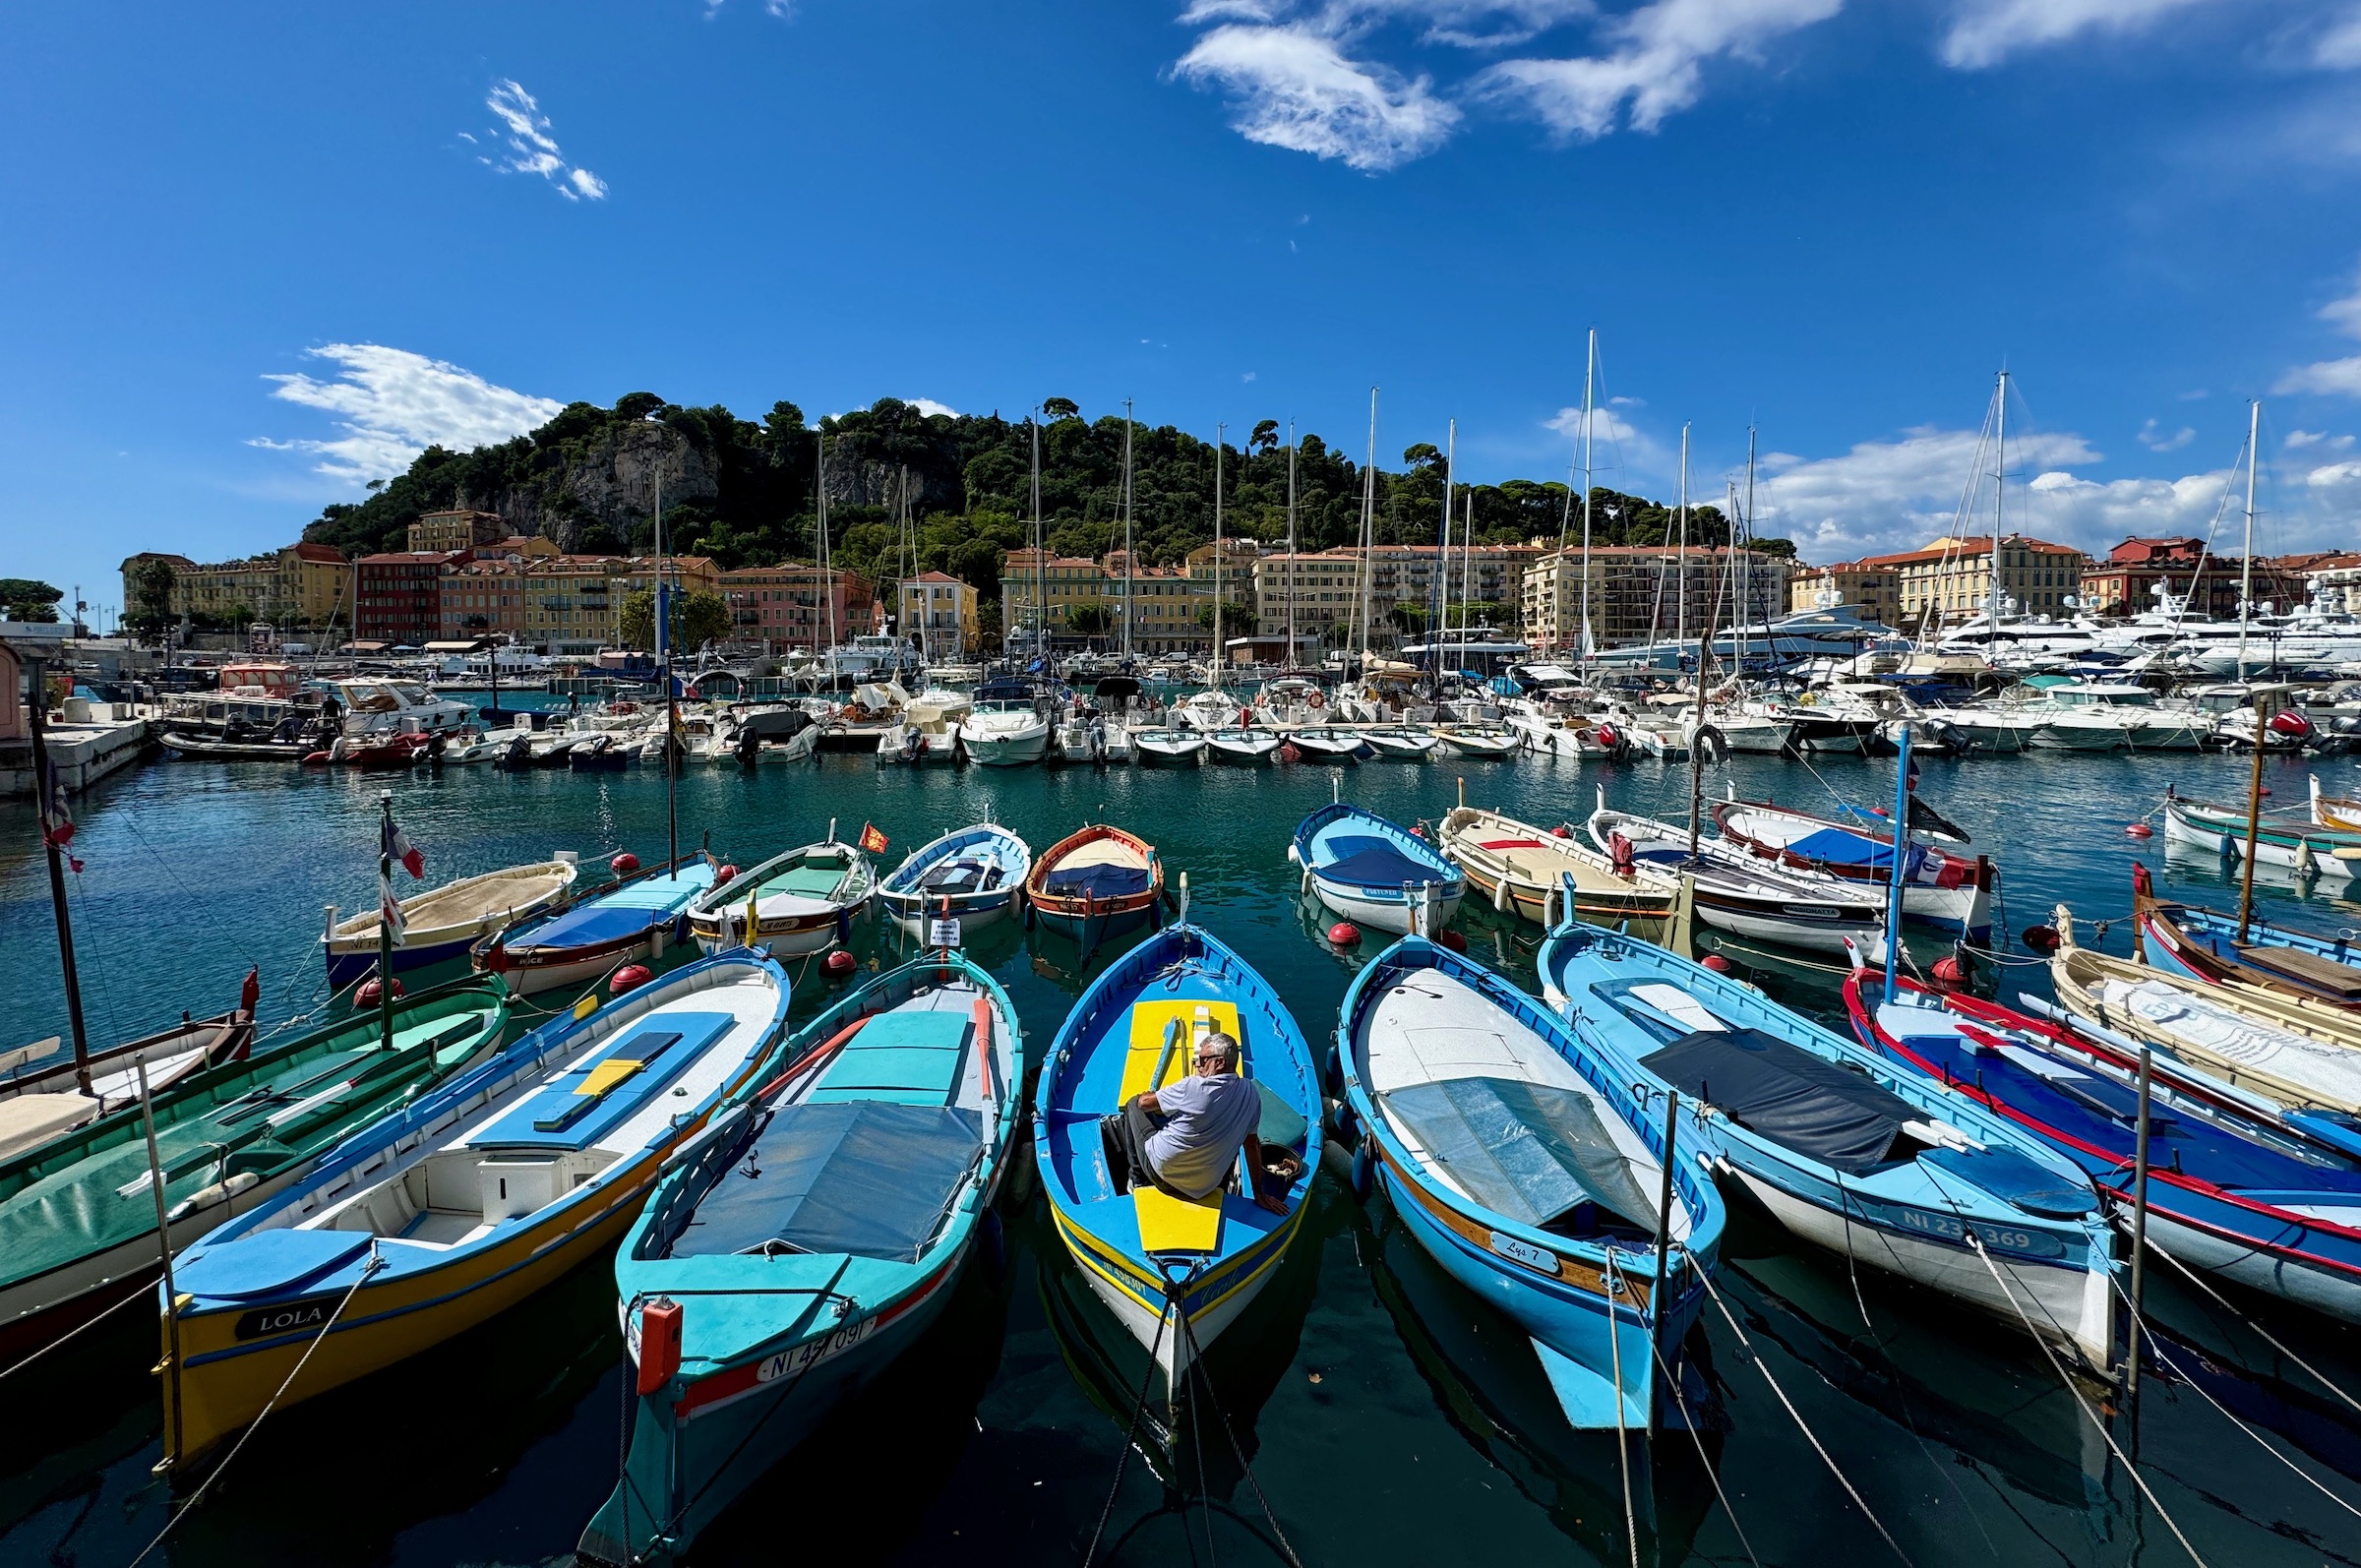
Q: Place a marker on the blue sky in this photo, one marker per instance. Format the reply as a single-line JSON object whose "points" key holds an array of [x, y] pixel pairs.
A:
{"points": [[253, 255]]}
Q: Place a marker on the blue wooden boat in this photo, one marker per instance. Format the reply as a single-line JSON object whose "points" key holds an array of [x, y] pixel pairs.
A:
{"points": [[464, 1202], [974, 876], [2269, 1198], [811, 1234], [1154, 1258], [2204, 944], [1842, 1147], [1523, 1163], [634, 921], [1370, 871]]}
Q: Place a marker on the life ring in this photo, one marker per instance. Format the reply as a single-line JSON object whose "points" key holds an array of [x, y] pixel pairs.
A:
{"points": [[1317, 699]]}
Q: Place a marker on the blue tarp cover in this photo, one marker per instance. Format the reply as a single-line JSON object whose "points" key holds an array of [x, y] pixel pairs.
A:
{"points": [[1840, 847], [855, 1176], [1371, 862], [1099, 882], [1528, 1151], [589, 926]]}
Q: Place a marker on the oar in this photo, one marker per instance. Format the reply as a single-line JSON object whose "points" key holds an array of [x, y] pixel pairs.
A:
{"points": [[1163, 1059]]}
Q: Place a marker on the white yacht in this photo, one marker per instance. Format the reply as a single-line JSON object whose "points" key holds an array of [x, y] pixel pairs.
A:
{"points": [[1010, 725]]}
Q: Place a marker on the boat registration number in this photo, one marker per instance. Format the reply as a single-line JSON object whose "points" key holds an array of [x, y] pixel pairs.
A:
{"points": [[810, 1353], [2000, 1238], [1524, 1252]]}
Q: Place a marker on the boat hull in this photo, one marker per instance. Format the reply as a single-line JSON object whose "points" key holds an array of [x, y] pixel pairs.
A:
{"points": [[1384, 909], [531, 971]]}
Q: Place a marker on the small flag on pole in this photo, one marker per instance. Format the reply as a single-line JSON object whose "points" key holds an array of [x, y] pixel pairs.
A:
{"points": [[872, 842], [398, 848], [394, 848], [57, 822]]}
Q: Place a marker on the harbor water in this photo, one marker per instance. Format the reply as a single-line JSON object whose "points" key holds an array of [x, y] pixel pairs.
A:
{"points": [[1383, 1414]]}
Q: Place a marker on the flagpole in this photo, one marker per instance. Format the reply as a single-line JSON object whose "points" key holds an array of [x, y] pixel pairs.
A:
{"points": [[385, 926], [37, 710]]}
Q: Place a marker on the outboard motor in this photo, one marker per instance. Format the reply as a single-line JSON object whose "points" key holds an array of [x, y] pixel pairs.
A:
{"points": [[749, 748]]}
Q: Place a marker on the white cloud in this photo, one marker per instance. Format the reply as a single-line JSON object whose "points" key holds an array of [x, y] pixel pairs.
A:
{"points": [[1613, 439], [1655, 68], [391, 404], [2300, 439], [2156, 439], [1985, 32], [2339, 47], [930, 407], [1293, 87], [531, 147], [2333, 376]]}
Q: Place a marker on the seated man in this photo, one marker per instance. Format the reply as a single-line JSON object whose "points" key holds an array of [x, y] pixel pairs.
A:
{"points": [[1185, 1137]]}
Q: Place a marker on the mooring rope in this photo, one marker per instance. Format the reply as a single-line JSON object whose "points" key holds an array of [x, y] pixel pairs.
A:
{"points": [[1139, 1407], [2260, 1332]]}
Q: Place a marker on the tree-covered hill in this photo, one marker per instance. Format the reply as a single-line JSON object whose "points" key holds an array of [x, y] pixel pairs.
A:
{"points": [[745, 494]]}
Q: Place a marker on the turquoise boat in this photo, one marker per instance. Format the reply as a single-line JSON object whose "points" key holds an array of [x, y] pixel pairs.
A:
{"points": [[1175, 1273], [462, 1204], [78, 1223], [805, 1240]]}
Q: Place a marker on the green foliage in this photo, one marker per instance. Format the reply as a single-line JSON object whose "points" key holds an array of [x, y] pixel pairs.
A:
{"points": [[698, 618], [26, 599], [1237, 620], [151, 607], [1090, 620]]}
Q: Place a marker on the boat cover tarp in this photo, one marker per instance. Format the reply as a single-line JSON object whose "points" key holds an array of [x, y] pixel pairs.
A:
{"points": [[856, 1176], [1528, 1151], [968, 873], [588, 926], [1097, 881], [1840, 847], [1369, 862], [1787, 1094]]}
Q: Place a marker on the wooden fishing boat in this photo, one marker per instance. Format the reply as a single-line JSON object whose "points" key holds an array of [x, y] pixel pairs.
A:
{"points": [[2335, 811], [444, 921], [1938, 886], [1445, 1066], [2294, 1050], [811, 1235], [1248, 748], [801, 902], [1175, 1272], [2267, 1198], [39, 1102], [975, 875], [1524, 869], [1371, 870], [181, 743], [1842, 1147], [1161, 745], [597, 932], [78, 1225], [1483, 742], [1746, 896], [1096, 884], [2302, 848], [1329, 743], [2206, 945], [460, 1205]]}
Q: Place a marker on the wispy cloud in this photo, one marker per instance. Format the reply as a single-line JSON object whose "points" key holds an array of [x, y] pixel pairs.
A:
{"points": [[1292, 87], [2333, 376], [930, 407], [1985, 32], [391, 404], [531, 147], [1653, 67], [2157, 439]]}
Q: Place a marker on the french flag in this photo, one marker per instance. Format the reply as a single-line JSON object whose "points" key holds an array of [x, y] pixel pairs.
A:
{"points": [[398, 848]]}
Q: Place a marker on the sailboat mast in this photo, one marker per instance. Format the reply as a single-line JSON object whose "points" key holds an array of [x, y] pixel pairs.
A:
{"points": [[1746, 563], [1442, 562], [1467, 560], [37, 705], [672, 710], [1681, 560], [2246, 567], [827, 585], [1368, 537], [1131, 565], [1041, 574], [1289, 662], [1589, 372], [2000, 485], [1220, 436]]}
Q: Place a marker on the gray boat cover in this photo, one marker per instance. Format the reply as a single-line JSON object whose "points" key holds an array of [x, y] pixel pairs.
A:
{"points": [[1527, 1151], [856, 1175], [1799, 1101]]}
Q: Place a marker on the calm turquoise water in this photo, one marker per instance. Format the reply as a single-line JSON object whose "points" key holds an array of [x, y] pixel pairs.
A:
{"points": [[1388, 1416]]}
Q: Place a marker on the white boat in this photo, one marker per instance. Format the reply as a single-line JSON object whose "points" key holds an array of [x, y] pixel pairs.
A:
{"points": [[795, 904], [1328, 744], [929, 730], [1744, 896], [1008, 726], [1249, 746], [975, 875], [1163, 747], [1207, 711], [1984, 729], [1400, 742], [1487, 742]]}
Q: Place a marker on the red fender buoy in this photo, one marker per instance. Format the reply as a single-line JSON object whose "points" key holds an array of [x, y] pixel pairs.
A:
{"points": [[2140, 830], [1344, 934], [2043, 939], [1561, 830], [1453, 941], [838, 964], [1946, 971], [631, 977], [724, 877], [369, 995], [1714, 962], [624, 864]]}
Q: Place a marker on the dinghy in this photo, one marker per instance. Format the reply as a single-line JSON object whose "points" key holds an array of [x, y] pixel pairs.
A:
{"points": [[1523, 869], [1744, 896], [1400, 742], [1096, 884], [1524, 1164], [1841, 1147], [2270, 1199], [598, 931], [1940, 887], [807, 1238], [77, 1226], [445, 922], [1327, 744], [2335, 811], [1374, 873], [1175, 1272], [2204, 944], [2304, 849], [462, 1204], [42, 1095], [2292, 1049], [1247, 748], [793, 905], [972, 874], [1495, 742], [1160, 746]]}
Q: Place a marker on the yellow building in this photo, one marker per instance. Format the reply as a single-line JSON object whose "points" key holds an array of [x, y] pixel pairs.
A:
{"points": [[298, 585], [1645, 593], [1875, 589], [456, 530], [939, 613], [1949, 582], [1320, 591]]}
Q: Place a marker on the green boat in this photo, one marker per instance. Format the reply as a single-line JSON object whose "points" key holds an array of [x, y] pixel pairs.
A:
{"points": [[78, 1217]]}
